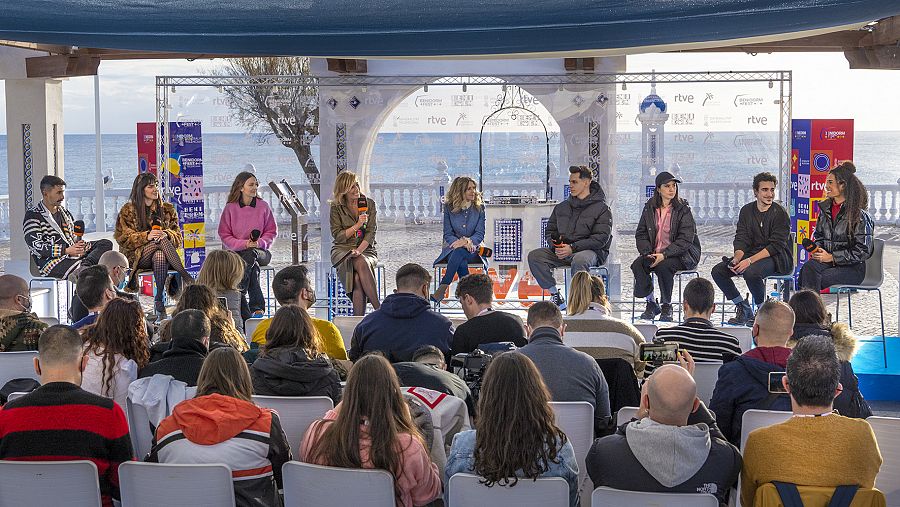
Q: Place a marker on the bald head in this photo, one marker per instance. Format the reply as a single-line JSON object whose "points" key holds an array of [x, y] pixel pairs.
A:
{"points": [[116, 264], [672, 395], [10, 287], [774, 324]]}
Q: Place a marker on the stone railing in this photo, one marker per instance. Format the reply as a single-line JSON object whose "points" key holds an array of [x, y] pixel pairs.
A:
{"points": [[399, 202]]}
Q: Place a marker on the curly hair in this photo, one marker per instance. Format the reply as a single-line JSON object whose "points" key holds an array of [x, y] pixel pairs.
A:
{"points": [[120, 329], [201, 297], [456, 196]]}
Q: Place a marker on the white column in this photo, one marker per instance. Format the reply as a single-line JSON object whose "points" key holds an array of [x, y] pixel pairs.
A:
{"points": [[34, 128]]}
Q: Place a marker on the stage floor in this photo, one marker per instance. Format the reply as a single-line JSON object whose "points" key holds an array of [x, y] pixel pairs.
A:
{"points": [[876, 381]]}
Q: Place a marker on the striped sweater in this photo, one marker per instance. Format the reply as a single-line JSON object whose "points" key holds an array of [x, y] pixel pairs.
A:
{"points": [[221, 429], [698, 336], [47, 240], [60, 421]]}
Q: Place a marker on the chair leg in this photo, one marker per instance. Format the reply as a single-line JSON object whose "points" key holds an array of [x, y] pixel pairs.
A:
{"points": [[837, 309], [850, 308]]}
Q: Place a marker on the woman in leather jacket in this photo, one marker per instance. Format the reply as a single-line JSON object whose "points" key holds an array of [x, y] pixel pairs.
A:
{"points": [[843, 234]]}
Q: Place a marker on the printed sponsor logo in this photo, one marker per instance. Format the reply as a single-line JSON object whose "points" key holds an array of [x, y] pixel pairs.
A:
{"points": [[710, 100], [800, 134], [428, 101], [832, 134], [822, 162], [744, 100], [684, 98], [746, 141], [757, 120], [462, 100]]}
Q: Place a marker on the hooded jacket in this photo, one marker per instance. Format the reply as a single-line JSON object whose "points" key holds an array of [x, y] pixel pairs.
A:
{"points": [[648, 456], [404, 323], [833, 235], [290, 372], [221, 429], [685, 243], [586, 224], [182, 360], [19, 330]]}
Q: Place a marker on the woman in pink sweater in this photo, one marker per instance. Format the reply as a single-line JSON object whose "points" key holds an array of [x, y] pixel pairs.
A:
{"points": [[247, 226], [372, 428]]}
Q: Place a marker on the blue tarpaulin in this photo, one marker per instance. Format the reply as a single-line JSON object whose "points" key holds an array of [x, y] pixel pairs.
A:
{"points": [[390, 28]]}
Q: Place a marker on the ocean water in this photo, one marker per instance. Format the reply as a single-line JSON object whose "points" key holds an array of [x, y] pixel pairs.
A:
{"points": [[725, 157]]}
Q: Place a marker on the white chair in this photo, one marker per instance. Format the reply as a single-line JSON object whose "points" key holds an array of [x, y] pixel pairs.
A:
{"points": [[307, 485], [250, 326], [346, 324], [50, 321], [755, 419], [174, 485], [648, 331], [625, 414], [887, 433], [49, 484], [139, 428], [742, 333], [466, 490], [17, 365], [706, 375], [873, 279], [608, 497], [576, 420], [296, 414]]}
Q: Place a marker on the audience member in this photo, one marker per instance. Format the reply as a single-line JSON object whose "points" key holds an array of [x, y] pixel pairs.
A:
{"points": [[291, 362], [372, 428], [570, 375], [19, 326], [744, 383], [815, 447], [404, 322], [515, 434], [95, 289], [814, 319], [484, 325], [117, 265], [292, 286], [116, 347], [428, 369], [222, 425], [188, 349], [222, 272], [61, 421], [662, 452], [222, 330]]}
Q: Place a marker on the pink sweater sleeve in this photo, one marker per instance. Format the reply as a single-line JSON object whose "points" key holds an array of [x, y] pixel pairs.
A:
{"points": [[420, 477], [270, 229], [226, 232]]}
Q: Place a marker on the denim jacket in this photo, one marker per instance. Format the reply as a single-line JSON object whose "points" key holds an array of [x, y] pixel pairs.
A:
{"points": [[462, 460]]}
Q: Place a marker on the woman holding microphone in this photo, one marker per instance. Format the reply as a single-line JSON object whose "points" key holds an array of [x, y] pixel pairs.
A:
{"points": [[248, 228], [463, 232], [353, 252]]}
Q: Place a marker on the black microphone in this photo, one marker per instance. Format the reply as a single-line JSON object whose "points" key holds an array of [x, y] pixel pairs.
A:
{"points": [[78, 229], [810, 246], [255, 234], [484, 251], [557, 240]]}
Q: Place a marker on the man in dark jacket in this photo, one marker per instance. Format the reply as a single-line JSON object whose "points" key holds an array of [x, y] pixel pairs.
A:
{"points": [[428, 369], [744, 382], [404, 322], [661, 452], [762, 247], [579, 231], [190, 344]]}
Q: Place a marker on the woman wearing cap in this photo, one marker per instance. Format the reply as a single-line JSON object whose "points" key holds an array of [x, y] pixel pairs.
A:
{"points": [[667, 242]]}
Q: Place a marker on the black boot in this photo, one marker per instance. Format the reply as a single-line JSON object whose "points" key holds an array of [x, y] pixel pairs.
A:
{"points": [[651, 311], [743, 315], [666, 315]]}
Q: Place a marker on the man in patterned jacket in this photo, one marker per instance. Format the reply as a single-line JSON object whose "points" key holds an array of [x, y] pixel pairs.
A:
{"points": [[49, 235]]}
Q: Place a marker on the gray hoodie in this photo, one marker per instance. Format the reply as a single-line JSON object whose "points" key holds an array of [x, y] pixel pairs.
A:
{"points": [[671, 454]]}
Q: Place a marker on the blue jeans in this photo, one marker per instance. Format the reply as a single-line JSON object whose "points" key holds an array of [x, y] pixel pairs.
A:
{"points": [[458, 263]]}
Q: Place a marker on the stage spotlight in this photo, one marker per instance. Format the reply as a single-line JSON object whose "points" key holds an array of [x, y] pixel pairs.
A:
{"points": [[365, 89], [771, 84], [465, 88], [624, 87], [173, 89], [425, 88]]}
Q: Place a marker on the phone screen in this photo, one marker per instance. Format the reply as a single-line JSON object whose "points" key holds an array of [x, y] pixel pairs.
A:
{"points": [[775, 384], [659, 352], [223, 302]]}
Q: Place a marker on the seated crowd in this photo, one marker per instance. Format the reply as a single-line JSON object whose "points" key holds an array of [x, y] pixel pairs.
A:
{"points": [[389, 415]]}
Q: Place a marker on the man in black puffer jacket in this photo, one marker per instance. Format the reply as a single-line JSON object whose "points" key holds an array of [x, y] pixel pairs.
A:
{"points": [[290, 372], [188, 349]]}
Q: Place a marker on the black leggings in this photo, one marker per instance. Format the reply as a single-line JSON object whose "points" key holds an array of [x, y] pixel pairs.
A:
{"points": [[159, 256], [665, 273]]}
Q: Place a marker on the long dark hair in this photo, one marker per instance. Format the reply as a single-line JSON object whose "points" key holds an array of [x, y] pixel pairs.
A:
{"points": [[292, 327], [809, 308], [856, 198], [657, 200], [225, 372], [120, 329], [201, 297], [514, 395], [235, 193], [142, 181]]}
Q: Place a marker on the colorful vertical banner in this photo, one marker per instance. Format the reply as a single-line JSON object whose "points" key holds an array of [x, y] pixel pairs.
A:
{"points": [[146, 147], [817, 146], [185, 166]]}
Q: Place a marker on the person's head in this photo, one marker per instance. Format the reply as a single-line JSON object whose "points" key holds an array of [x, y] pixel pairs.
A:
{"points": [[842, 183], [14, 294], [580, 178], [475, 293], [60, 355], [813, 373], [429, 354], [191, 325], [198, 297], [291, 327], [764, 188], [666, 189], [463, 192], [222, 271], [245, 186], [291, 286], [544, 314], [699, 298], [671, 395], [809, 308], [372, 397], [225, 372], [53, 190], [201, 297], [513, 395], [94, 287], [586, 289], [346, 188], [117, 265], [774, 324], [413, 279], [144, 191], [119, 330]]}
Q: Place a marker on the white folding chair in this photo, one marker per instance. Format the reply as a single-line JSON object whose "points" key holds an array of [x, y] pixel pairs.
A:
{"points": [[576, 419], [346, 324], [625, 414], [250, 326], [466, 490], [50, 321], [609, 497], [17, 365], [174, 485], [307, 485], [296, 414], [887, 433], [755, 419], [49, 483], [648, 331], [706, 375], [742, 333], [139, 428]]}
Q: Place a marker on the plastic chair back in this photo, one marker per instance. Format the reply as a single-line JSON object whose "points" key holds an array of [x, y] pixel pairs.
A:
{"points": [[174, 485], [346, 324], [887, 433], [466, 490], [50, 321], [625, 414], [13, 396], [315, 485], [250, 326], [609, 497], [742, 333], [296, 414], [755, 419], [706, 375], [576, 420], [49, 483], [139, 428], [648, 331], [17, 365]]}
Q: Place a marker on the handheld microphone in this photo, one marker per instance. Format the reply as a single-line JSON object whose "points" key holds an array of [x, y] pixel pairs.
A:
{"points": [[156, 225], [362, 204], [255, 234], [484, 251], [557, 240], [810, 246], [78, 229]]}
